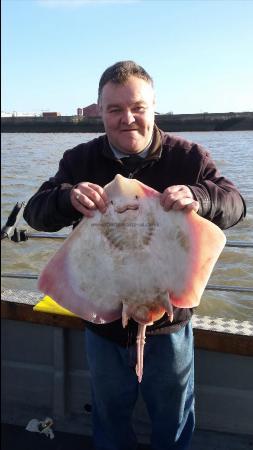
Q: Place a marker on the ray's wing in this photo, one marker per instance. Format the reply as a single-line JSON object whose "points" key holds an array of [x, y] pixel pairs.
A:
{"points": [[58, 279], [206, 242]]}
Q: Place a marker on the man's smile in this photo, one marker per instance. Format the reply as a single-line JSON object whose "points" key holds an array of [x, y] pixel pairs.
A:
{"points": [[132, 129]]}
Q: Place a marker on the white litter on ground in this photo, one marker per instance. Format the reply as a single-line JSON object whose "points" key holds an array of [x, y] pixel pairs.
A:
{"points": [[41, 426]]}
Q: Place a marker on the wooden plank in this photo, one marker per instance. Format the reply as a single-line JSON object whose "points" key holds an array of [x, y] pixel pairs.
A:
{"points": [[223, 342], [204, 339]]}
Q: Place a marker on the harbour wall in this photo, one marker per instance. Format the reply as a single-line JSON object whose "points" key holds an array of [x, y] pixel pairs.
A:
{"points": [[167, 122]]}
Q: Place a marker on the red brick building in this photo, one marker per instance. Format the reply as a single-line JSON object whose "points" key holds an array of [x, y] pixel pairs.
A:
{"points": [[89, 111], [50, 114]]}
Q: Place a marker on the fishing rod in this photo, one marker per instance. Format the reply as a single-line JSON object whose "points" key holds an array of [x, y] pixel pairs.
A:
{"points": [[17, 234], [9, 230]]}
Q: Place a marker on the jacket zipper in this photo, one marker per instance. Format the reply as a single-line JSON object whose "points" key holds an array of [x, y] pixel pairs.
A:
{"points": [[131, 174]]}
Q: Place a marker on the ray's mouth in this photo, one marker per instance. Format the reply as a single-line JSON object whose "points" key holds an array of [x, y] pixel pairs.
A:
{"points": [[122, 209]]}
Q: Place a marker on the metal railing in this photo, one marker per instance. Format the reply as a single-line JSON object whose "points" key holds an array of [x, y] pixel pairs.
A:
{"points": [[28, 234], [210, 287], [11, 231]]}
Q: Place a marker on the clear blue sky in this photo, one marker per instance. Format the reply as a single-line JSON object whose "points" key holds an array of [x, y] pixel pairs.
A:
{"points": [[199, 53]]}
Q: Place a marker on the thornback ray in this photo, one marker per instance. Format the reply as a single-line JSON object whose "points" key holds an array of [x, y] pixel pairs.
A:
{"points": [[134, 261]]}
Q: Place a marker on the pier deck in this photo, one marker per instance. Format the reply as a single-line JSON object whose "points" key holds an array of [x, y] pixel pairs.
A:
{"points": [[16, 438]]}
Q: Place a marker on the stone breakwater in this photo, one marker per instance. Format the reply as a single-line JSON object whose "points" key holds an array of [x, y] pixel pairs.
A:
{"points": [[167, 122]]}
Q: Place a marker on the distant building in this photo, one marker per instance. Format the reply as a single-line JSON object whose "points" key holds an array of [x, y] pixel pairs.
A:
{"points": [[50, 114], [17, 114], [89, 111], [6, 114]]}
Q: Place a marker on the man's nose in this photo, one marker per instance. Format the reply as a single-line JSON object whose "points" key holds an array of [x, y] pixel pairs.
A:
{"points": [[128, 117]]}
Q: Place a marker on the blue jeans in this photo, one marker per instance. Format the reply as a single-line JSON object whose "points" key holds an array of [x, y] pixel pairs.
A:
{"points": [[167, 388]]}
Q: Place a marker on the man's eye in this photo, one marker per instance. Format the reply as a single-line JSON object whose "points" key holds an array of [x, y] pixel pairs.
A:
{"points": [[114, 110], [139, 109]]}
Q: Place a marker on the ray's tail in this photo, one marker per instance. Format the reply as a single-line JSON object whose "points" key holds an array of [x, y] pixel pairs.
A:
{"points": [[140, 342]]}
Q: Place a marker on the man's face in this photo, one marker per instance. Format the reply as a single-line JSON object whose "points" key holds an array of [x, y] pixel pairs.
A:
{"points": [[128, 114]]}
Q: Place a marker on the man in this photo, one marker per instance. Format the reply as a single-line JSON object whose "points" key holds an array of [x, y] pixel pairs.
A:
{"points": [[187, 179]]}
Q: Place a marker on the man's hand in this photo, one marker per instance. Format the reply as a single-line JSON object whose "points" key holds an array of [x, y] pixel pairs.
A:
{"points": [[87, 197], [178, 197]]}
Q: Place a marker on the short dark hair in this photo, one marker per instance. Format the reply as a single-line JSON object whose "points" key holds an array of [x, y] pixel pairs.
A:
{"points": [[120, 72]]}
